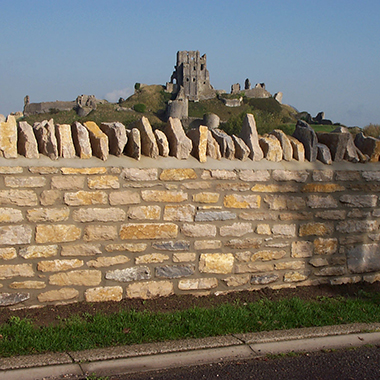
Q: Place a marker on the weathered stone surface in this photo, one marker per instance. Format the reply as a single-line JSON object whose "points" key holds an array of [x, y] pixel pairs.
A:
{"points": [[8, 299], [110, 214], [236, 229], [357, 226], [323, 154], [324, 175], [296, 216], [144, 212], [81, 140], [242, 201], [99, 232], [183, 257], [368, 145], [63, 294], [206, 197], [48, 214], [133, 147], [264, 279], [129, 274], [26, 142], [232, 186], [368, 200], [244, 243], [148, 231], [124, 197], [177, 245], [8, 138], [57, 233], [242, 151], [174, 271], [225, 142], [46, 140], [38, 251], [117, 137], [18, 270], [59, 265], [371, 175], [81, 250], [198, 230], [105, 261], [151, 258], [198, 136], [198, 284], [103, 182], [348, 175], [286, 146], [331, 215], [27, 285], [129, 247], [371, 278], [67, 182], [98, 139], [148, 140], [322, 188], [318, 262], [84, 171], [180, 145], [250, 137], [320, 201], [65, 142], [104, 294], [219, 174], [330, 271], [315, 228], [306, 135], [295, 276], [10, 215], [10, 181], [163, 196], [298, 149], [277, 188], [11, 170], [239, 280], [177, 174], [251, 175], [209, 216], [149, 290], [77, 277], [283, 202], [290, 265], [86, 198], [179, 213], [12, 235], [201, 245], [271, 148], [213, 149], [253, 268], [162, 143], [263, 229], [137, 174], [325, 246], [336, 142], [268, 255], [222, 263], [258, 215], [290, 175], [8, 253], [302, 249], [284, 230]]}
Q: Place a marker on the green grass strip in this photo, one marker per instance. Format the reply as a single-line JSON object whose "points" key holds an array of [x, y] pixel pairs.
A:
{"points": [[21, 336]]}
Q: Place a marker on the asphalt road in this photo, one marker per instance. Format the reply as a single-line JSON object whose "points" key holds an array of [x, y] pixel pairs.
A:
{"points": [[349, 364]]}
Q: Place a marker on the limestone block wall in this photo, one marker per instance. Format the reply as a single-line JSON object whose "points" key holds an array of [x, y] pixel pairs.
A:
{"points": [[97, 232]]}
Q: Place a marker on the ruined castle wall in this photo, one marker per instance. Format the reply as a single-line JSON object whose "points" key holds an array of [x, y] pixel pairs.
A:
{"points": [[73, 230]]}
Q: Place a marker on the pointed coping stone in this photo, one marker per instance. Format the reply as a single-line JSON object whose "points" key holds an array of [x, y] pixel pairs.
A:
{"points": [[337, 143], [213, 149], [199, 138], [251, 138], [271, 148], [45, 136], [180, 145], [241, 149], [369, 146], [287, 150], [117, 137], [227, 146], [351, 153], [81, 140], [162, 143], [8, 137], [133, 147], [149, 146], [298, 149], [98, 139], [306, 135], [65, 142], [27, 143], [324, 154]]}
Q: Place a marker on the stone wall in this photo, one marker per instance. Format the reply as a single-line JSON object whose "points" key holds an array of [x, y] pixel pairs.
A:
{"points": [[95, 231]]}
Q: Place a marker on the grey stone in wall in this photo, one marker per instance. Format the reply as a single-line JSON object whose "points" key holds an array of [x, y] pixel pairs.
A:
{"points": [[263, 279], [178, 245], [175, 271], [129, 274], [27, 143], [369, 146], [117, 137], [250, 137], [8, 299], [306, 135], [323, 154], [336, 142], [364, 258], [208, 216]]}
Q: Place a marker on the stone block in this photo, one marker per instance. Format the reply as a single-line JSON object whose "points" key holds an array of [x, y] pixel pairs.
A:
{"points": [[103, 182], [331, 215], [296, 276], [26, 142], [86, 198], [286, 146], [225, 142], [234, 281], [129, 247], [276, 188], [242, 201], [81, 250], [14, 235], [17, 270], [67, 182], [324, 175], [232, 186], [219, 174], [306, 135], [258, 215], [183, 257], [124, 197], [52, 215], [57, 233], [177, 245], [179, 213], [17, 182], [63, 294], [201, 245], [84, 171], [133, 147], [289, 265], [179, 144], [163, 196], [148, 231], [364, 258], [301, 249], [284, 230], [198, 136], [149, 146], [28, 285], [151, 258], [271, 148], [78, 277], [117, 137], [337, 144], [298, 149], [10, 215], [137, 174], [281, 175], [263, 279], [174, 271], [129, 274], [322, 188], [59, 265], [144, 212], [65, 142], [206, 197], [162, 143], [316, 228], [177, 174], [8, 137], [8, 253], [246, 243], [81, 140], [105, 261], [236, 229], [325, 246], [318, 262], [263, 229], [320, 201], [209, 216], [213, 149], [249, 135], [11, 170], [38, 251], [111, 214], [268, 255], [198, 230], [150, 289], [296, 216], [368, 200], [324, 154], [251, 175], [198, 284], [46, 139], [9, 299], [222, 263], [99, 232], [242, 151], [357, 226], [98, 139], [368, 145], [104, 294]]}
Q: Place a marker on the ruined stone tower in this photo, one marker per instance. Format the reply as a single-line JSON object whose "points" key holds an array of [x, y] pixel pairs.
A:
{"points": [[191, 73]]}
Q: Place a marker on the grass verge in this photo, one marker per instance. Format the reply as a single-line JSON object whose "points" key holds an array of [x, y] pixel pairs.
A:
{"points": [[79, 332]]}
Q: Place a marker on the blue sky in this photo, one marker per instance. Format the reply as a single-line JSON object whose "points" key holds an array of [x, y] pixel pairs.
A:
{"points": [[322, 54]]}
